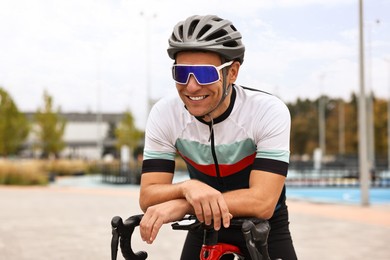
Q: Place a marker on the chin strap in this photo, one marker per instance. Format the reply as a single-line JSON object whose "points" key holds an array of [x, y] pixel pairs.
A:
{"points": [[225, 93]]}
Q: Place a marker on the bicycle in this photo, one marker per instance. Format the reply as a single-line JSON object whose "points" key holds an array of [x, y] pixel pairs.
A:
{"points": [[255, 232]]}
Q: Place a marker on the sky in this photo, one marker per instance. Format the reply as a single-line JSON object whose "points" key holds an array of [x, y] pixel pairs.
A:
{"points": [[110, 55]]}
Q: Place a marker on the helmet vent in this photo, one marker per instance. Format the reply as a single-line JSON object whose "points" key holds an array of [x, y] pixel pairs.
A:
{"points": [[216, 35], [204, 30], [180, 32], [231, 44], [192, 27]]}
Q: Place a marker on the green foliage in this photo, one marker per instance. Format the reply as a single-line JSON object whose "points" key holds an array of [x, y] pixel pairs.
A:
{"points": [[126, 132], [304, 126], [14, 125], [50, 128]]}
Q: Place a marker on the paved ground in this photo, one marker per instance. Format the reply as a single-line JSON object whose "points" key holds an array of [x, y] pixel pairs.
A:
{"points": [[74, 223]]}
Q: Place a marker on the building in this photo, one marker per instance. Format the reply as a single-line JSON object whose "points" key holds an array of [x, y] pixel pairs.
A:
{"points": [[87, 135]]}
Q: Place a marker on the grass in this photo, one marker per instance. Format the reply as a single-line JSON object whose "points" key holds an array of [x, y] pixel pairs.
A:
{"points": [[22, 173], [37, 172]]}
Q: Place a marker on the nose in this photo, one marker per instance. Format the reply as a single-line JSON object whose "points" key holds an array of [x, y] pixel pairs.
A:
{"points": [[192, 85]]}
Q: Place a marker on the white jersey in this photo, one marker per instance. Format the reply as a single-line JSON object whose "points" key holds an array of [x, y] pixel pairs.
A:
{"points": [[253, 133]]}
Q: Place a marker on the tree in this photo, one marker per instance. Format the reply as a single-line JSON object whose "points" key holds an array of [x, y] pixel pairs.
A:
{"points": [[304, 127], [50, 128], [14, 126], [126, 133]]}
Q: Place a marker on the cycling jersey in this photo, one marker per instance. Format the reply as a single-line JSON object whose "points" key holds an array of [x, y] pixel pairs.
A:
{"points": [[253, 133]]}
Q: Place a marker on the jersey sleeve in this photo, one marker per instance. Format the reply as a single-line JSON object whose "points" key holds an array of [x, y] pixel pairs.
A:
{"points": [[272, 137], [159, 151]]}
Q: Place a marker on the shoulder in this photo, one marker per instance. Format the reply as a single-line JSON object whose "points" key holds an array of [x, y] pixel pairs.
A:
{"points": [[166, 108], [168, 115], [260, 102], [167, 103]]}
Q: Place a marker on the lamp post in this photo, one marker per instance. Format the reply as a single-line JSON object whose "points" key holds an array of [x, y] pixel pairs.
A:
{"points": [[370, 100], [149, 101], [321, 121], [388, 118], [363, 162], [341, 128], [99, 117]]}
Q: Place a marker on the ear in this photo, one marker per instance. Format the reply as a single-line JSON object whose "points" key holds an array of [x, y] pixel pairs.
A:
{"points": [[233, 72]]}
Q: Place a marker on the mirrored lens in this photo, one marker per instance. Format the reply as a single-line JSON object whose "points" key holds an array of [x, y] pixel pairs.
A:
{"points": [[204, 74]]}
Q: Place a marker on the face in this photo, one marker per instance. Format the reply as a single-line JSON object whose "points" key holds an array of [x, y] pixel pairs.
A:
{"points": [[201, 99]]}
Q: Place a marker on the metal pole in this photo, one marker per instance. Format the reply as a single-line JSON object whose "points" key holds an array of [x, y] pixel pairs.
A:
{"points": [[388, 120], [149, 101], [321, 122], [370, 100], [99, 138], [322, 132], [363, 161], [341, 128]]}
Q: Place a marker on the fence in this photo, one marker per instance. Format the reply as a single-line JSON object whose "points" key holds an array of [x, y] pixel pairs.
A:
{"points": [[334, 177], [120, 174], [297, 176]]}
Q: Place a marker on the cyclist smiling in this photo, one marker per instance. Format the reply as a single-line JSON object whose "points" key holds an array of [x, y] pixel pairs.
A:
{"points": [[234, 140]]}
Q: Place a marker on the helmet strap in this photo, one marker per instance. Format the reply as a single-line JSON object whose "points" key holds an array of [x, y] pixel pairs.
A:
{"points": [[225, 92]]}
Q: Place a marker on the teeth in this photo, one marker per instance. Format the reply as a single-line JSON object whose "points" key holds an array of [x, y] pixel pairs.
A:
{"points": [[197, 98]]}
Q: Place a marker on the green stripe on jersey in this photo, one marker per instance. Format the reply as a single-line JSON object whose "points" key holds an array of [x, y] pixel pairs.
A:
{"points": [[279, 155], [201, 153], [159, 155]]}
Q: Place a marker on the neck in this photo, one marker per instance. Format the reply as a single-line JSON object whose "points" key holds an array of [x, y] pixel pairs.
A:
{"points": [[221, 107]]}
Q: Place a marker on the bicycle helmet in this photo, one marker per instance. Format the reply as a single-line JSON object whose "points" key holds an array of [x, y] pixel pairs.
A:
{"points": [[207, 33]]}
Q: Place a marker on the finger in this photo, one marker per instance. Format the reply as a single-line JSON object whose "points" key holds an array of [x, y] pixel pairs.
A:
{"points": [[216, 214], [145, 226], [198, 212], [225, 214], [154, 231], [207, 213], [149, 228]]}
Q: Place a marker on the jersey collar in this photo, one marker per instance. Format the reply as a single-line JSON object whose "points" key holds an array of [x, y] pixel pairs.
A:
{"points": [[225, 114]]}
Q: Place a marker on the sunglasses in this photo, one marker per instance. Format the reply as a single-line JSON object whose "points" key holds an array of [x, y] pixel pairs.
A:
{"points": [[204, 74]]}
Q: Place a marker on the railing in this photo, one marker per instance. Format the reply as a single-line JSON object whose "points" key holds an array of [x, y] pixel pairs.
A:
{"points": [[334, 177], [116, 174], [297, 176]]}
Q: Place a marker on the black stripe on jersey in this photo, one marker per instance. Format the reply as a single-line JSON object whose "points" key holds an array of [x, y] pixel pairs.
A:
{"points": [[270, 165], [158, 165]]}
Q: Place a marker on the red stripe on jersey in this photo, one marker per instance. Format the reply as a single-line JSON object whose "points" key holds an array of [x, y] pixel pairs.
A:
{"points": [[225, 169]]}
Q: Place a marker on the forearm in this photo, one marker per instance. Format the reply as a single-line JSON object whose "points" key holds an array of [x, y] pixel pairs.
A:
{"points": [[260, 199], [158, 193], [248, 203]]}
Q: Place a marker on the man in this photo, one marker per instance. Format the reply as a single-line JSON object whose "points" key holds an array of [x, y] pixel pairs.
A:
{"points": [[234, 140]]}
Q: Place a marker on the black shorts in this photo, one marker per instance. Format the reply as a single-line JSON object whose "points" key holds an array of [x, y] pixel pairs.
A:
{"points": [[279, 240]]}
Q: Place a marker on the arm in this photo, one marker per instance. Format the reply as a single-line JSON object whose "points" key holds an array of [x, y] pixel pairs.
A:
{"points": [[157, 187], [165, 202], [260, 199]]}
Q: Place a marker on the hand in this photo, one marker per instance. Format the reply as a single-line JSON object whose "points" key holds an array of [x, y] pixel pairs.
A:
{"points": [[157, 215], [208, 203]]}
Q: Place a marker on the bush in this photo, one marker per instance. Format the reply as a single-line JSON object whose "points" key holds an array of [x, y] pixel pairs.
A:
{"points": [[22, 173], [64, 167], [38, 172]]}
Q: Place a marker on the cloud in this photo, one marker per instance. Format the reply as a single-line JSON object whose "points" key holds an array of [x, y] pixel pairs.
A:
{"points": [[93, 54]]}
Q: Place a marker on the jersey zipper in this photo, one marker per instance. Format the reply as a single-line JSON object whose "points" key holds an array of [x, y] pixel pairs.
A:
{"points": [[213, 152]]}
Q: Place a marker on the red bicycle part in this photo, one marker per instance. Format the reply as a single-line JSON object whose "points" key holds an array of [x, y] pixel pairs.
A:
{"points": [[215, 252]]}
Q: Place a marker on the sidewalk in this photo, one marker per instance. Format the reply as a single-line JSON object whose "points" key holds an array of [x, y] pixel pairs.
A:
{"points": [[40, 223]]}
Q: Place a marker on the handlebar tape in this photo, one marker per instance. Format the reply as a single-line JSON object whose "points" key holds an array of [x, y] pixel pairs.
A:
{"points": [[124, 231]]}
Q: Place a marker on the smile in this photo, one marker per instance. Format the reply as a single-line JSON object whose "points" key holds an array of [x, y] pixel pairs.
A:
{"points": [[197, 98]]}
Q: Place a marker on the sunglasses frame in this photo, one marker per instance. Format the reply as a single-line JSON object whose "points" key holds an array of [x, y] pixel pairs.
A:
{"points": [[218, 68]]}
